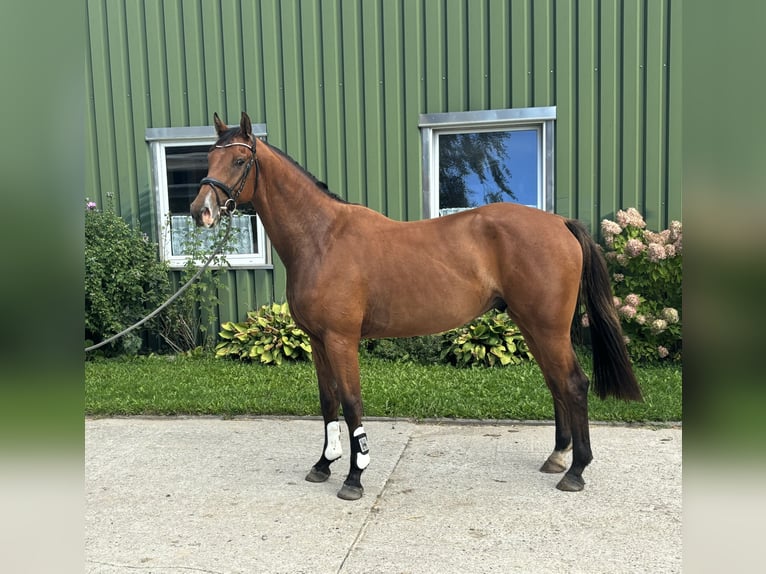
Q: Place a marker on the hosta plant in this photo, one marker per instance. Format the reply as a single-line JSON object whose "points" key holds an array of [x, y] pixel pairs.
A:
{"points": [[268, 335], [491, 339]]}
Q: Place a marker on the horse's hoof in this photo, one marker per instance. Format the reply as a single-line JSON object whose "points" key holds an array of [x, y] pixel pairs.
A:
{"points": [[350, 492], [571, 483], [553, 466], [315, 475]]}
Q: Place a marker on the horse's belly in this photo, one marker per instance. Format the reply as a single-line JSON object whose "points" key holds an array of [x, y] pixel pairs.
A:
{"points": [[422, 315]]}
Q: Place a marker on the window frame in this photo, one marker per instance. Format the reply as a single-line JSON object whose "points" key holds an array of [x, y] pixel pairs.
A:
{"points": [[159, 140], [433, 125]]}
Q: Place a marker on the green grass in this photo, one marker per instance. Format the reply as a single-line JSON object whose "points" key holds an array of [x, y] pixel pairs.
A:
{"points": [[161, 385]]}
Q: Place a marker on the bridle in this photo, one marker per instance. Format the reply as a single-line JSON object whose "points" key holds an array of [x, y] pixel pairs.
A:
{"points": [[232, 193]]}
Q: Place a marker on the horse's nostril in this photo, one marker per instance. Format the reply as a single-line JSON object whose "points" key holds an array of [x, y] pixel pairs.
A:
{"points": [[205, 218]]}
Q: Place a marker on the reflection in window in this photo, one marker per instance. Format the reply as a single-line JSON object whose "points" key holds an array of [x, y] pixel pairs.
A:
{"points": [[477, 168], [480, 157]]}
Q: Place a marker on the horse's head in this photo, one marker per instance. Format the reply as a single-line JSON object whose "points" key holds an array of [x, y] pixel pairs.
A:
{"points": [[232, 173]]}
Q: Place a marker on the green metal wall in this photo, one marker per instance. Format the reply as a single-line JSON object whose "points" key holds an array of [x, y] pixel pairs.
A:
{"points": [[340, 85]]}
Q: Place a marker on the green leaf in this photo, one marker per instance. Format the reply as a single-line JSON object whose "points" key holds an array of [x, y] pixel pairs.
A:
{"points": [[498, 351]]}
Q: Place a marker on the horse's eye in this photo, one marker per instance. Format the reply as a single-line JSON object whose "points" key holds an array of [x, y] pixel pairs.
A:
{"points": [[239, 162]]}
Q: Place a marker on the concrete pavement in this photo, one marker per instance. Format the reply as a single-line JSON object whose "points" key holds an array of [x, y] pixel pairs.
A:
{"points": [[180, 495]]}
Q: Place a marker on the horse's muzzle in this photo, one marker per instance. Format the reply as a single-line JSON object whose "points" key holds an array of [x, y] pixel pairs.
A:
{"points": [[205, 209]]}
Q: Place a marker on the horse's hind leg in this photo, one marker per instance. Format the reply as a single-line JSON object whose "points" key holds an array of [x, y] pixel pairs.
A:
{"points": [[569, 388], [576, 405], [328, 398], [556, 462], [570, 397]]}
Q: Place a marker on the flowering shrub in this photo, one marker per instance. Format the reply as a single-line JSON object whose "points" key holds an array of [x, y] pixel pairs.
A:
{"points": [[646, 269]]}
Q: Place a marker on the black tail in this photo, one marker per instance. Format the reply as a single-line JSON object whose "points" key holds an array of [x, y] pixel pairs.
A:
{"points": [[612, 371]]}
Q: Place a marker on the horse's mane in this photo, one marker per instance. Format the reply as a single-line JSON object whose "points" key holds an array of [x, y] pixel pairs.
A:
{"points": [[320, 184], [229, 135]]}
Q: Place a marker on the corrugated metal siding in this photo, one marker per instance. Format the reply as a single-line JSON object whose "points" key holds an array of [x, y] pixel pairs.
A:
{"points": [[340, 85]]}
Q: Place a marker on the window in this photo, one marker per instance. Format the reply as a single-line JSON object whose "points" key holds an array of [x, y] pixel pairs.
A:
{"points": [[179, 162], [474, 158]]}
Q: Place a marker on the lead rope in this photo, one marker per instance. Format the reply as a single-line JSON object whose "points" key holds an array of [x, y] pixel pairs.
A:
{"points": [[172, 298]]}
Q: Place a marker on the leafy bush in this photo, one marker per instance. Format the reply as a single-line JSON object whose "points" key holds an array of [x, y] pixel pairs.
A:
{"points": [[187, 324], [271, 336], [268, 334], [488, 340], [425, 350], [124, 279], [646, 269]]}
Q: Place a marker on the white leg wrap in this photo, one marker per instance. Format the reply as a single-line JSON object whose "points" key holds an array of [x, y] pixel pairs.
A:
{"points": [[334, 449], [362, 457]]}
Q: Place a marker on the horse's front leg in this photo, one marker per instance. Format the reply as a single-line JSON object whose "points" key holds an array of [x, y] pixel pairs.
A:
{"points": [[328, 398], [352, 488], [342, 353]]}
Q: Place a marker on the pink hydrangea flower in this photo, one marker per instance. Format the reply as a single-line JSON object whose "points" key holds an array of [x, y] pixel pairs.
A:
{"points": [[641, 319], [616, 300], [627, 311], [656, 252], [584, 321], [633, 300], [630, 217], [675, 230], [618, 277], [91, 205], [652, 237], [670, 250], [610, 228], [662, 352], [634, 247]]}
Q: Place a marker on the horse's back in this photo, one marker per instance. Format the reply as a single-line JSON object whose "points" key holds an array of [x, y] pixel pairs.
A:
{"points": [[476, 244], [513, 232]]}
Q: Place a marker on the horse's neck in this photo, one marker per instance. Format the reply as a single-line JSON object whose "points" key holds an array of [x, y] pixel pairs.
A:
{"points": [[296, 214]]}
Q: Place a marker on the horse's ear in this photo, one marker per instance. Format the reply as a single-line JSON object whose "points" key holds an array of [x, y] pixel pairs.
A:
{"points": [[220, 127], [245, 128]]}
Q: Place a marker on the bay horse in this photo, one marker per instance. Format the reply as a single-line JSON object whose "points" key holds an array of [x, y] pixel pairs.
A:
{"points": [[353, 273]]}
